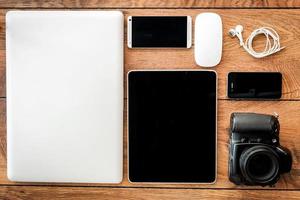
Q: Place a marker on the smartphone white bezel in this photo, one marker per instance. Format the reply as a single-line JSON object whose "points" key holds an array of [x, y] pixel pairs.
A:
{"points": [[129, 31], [188, 35], [189, 32]]}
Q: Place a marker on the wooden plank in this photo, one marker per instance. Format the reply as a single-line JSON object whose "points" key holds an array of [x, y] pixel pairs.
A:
{"points": [[286, 22], [289, 135], [79, 193], [149, 4]]}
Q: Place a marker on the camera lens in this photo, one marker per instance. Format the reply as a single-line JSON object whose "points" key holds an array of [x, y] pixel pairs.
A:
{"points": [[259, 165]]}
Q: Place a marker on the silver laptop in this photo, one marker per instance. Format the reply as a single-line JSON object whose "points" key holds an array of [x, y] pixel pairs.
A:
{"points": [[64, 96]]}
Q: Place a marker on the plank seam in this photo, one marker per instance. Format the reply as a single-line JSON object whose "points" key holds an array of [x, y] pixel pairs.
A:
{"points": [[152, 8], [160, 188]]}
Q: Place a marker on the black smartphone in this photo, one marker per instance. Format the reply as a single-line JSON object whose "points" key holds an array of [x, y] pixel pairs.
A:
{"points": [[256, 85], [159, 31]]}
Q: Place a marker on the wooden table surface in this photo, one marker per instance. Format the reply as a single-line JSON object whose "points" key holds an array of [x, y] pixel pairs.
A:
{"points": [[283, 15]]}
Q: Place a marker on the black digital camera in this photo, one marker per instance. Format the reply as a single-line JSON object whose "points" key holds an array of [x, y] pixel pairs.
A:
{"points": [[256, 157]]}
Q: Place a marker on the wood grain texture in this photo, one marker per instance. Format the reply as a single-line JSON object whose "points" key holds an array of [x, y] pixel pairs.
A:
{"points": [[289, 135], [43, 193], [150, 4], [286, 22]]}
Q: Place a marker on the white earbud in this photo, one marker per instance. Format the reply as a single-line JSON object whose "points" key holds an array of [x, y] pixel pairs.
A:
{"points": [[237, 31], [271, 47]]}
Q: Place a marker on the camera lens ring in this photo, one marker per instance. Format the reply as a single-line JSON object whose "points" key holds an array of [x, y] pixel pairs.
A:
{"points": [[260, 165]]}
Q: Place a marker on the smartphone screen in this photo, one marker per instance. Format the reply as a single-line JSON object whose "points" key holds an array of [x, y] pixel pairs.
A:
{"points": [[266, 85], [162, 31]]}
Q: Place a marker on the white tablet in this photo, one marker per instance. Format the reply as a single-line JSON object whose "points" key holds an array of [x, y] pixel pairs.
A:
{"points": [[64, 96]]}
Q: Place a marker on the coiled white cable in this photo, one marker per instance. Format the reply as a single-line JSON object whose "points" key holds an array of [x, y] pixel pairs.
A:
{"points": [[272, 41]]}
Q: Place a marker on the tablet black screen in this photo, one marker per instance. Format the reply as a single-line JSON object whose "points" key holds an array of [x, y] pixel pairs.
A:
{"points": [[172, 126]]}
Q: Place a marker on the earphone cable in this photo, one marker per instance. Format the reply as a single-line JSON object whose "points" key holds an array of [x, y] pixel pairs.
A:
{"points": [[272, 42]]}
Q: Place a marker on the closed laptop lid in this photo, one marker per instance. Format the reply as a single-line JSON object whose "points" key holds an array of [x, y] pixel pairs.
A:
{"points": [[64, 96]]}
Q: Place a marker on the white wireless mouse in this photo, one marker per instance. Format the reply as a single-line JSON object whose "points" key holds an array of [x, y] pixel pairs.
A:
{"points": [[208, 39]]}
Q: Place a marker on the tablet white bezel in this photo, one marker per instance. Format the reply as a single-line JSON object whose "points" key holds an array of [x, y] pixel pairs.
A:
{"points": [[216, 143]]}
